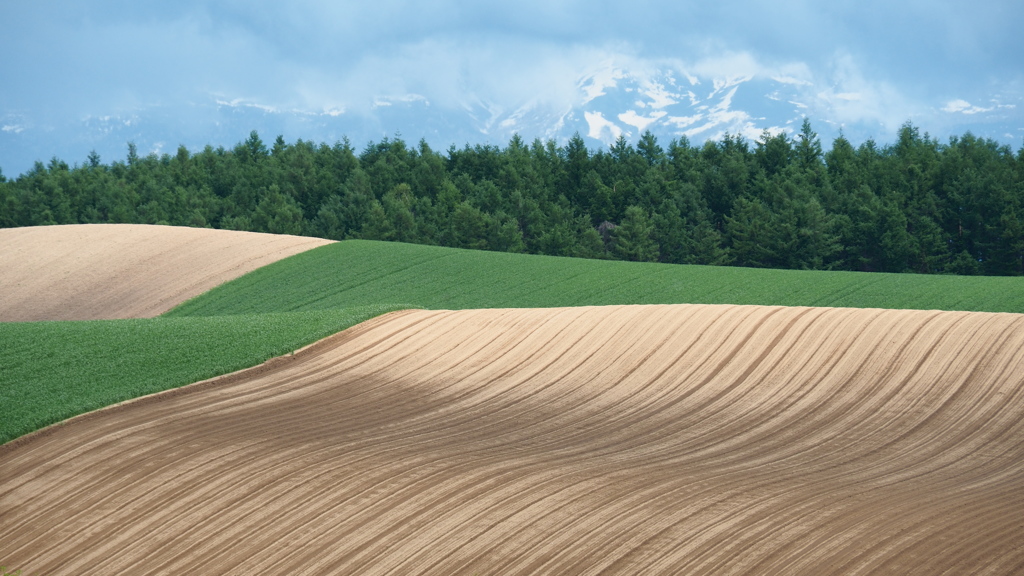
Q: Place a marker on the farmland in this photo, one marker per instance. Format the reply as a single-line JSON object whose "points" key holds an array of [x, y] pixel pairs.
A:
{"points": [[56, 370], [682, 439], [357, 272], [106, 271], [471, 412]]}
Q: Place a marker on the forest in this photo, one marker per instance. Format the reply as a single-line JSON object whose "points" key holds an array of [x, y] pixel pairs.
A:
{"points": [[916, 205]]}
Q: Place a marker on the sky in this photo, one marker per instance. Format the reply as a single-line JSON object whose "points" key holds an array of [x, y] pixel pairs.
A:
{"points": [[78, 76]]}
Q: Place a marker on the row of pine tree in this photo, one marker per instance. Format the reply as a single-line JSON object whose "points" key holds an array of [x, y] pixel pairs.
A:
{"points": [[916, 205]]}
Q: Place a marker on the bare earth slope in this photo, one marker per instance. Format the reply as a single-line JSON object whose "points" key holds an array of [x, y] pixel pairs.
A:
{"points": [[620, 440], [109, 271]]}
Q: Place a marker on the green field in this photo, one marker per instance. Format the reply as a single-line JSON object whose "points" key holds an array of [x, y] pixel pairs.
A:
{"points": [[359, 272], [50, 371]]}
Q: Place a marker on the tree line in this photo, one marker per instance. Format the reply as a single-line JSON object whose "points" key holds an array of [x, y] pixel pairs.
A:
{"points": [[916, 205]]}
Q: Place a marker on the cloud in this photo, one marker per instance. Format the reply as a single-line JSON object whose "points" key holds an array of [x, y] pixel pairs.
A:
{"points": [[380, 101], [307, 63], [964, 107], [845, 95]]}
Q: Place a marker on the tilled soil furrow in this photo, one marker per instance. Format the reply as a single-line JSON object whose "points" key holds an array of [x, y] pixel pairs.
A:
{"points": [[614, 440], [110, 271]]}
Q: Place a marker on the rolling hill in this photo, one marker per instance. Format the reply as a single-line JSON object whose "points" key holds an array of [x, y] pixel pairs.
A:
{"points": [[690, 439], [107, 271]]}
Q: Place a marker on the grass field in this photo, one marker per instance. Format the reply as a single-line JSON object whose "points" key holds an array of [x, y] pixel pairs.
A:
{"points": [[50, 371], [356, 272]]}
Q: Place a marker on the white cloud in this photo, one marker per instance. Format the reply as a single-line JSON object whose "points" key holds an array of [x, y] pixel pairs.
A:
{"points": [[846, 96], [384, 101], [782, 79], [964, 107], [849, 96], [728, 68], [533, 67]]}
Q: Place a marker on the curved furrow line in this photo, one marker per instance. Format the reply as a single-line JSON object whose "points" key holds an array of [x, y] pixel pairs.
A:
{"points": [[398, 396], [123, 427], [428, 425], [563, 393], [956, 440], [762, 423], [558, 430], [940, 523], [661, 439], [993, 540], [811, 507], [150, 509], [116, 472], [907, 452], [368, 517], [857, 414], [641, 415]]}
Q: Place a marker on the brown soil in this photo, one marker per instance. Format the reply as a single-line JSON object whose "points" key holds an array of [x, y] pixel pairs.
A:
{"points": [[107, 271], [616, 440]]}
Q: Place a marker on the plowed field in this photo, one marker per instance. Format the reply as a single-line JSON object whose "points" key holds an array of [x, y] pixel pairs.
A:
{"points": [[110, 271], [635, 439]]}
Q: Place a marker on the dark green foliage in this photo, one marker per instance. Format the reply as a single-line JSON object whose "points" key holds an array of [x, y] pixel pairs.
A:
{"points": [[633, 239], [780, 202]]}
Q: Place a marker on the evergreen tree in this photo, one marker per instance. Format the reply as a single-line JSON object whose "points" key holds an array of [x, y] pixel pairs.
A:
{"points": [[469, 227], [375, 223], [915, 205], [634, 237], [277, 213], [754, 236]]}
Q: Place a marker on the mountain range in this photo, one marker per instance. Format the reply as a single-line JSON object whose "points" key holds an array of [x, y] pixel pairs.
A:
{"points": [[604, 103]]}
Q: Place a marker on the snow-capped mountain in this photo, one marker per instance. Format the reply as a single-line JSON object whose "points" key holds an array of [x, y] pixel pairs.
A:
{"points": [[609, 103], [600, 104]]}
